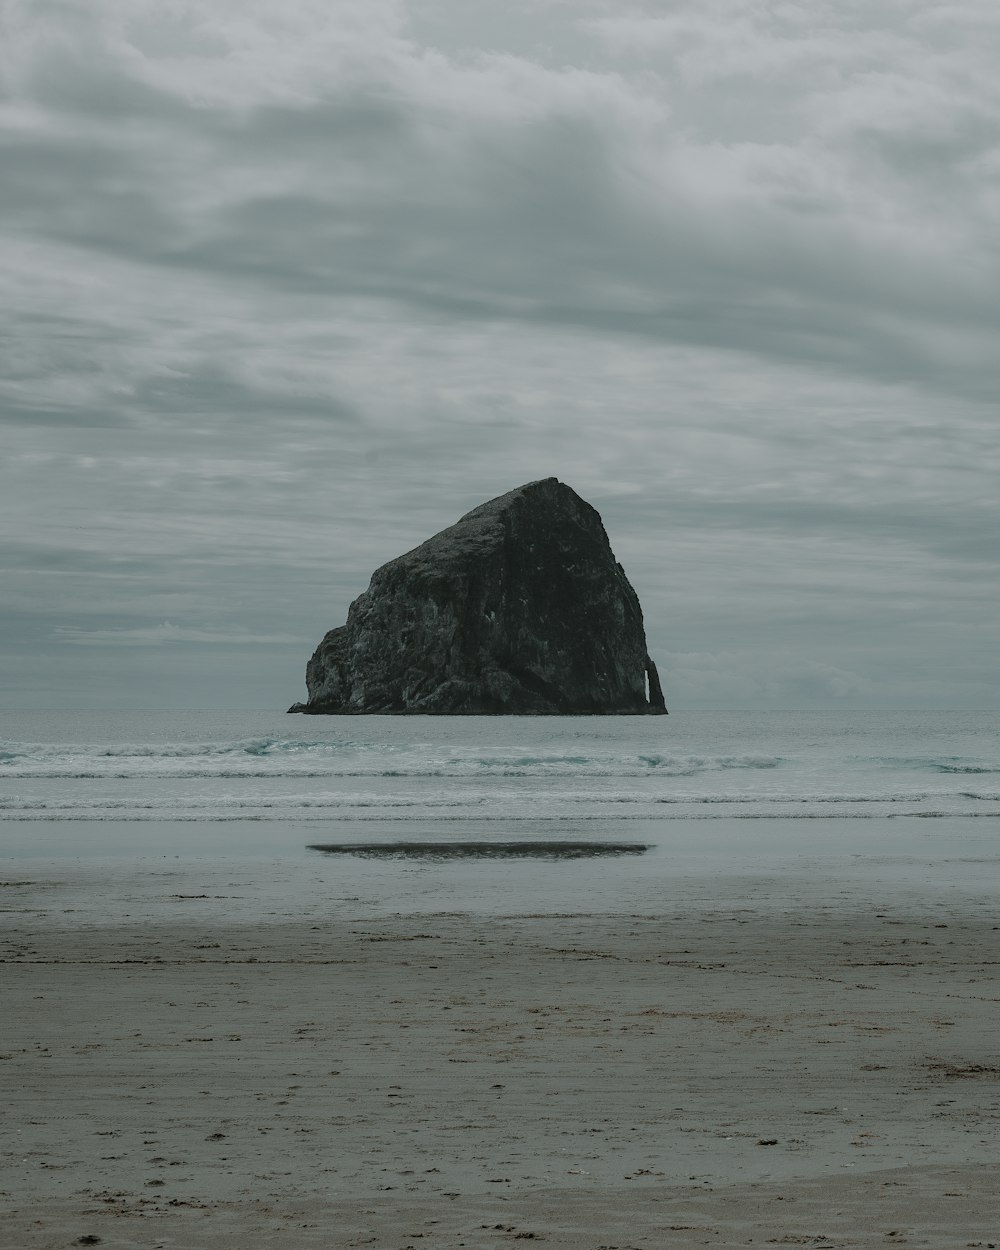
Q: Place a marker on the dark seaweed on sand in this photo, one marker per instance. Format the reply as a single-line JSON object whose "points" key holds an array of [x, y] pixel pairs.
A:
{"points": [[481, 850]]}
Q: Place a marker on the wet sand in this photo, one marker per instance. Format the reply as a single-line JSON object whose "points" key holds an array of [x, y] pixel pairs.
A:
{"points": [[823, 1075]]}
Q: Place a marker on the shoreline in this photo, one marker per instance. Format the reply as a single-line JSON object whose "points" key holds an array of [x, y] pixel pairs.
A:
{"points": [[692, 1076]]}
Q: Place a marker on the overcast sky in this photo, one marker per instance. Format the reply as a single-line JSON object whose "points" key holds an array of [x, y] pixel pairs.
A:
{"points": [[288, 287]]}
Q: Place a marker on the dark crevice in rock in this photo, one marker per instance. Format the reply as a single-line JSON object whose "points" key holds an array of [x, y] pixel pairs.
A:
{"points": [[657, 703]]}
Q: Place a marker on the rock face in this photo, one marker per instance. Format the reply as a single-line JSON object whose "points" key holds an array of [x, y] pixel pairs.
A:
{"points": [[520, 607]]}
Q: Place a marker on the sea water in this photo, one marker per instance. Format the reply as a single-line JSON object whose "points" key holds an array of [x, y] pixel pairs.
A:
{"points": [[448, 813]]}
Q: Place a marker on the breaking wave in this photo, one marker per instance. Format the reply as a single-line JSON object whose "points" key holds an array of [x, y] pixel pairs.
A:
{"points": [[948, 765], [286, 757], [232, 767]]}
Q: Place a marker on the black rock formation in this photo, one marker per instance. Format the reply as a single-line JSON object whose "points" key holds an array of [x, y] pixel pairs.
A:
{"points": [[520, 607]]}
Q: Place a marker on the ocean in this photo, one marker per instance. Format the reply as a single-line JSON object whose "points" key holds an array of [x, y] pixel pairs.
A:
{"points": [[450, 813]]}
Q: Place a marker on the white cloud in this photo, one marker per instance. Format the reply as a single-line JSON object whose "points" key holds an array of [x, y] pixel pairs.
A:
{"points": [[761, 679], [158, 635]]}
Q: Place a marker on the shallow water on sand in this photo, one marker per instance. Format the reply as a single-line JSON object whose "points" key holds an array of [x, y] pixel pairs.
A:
{"points": [[273, 876]]}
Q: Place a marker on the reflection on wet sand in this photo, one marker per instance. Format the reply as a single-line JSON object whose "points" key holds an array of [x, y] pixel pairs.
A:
{"points": [[481, 850]]}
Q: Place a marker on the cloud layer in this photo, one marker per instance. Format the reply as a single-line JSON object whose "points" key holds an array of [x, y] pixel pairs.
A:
{"points": [[287, 289]]}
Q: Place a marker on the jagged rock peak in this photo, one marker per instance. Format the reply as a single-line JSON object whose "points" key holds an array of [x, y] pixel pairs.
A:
{"points": [[519, 607]]}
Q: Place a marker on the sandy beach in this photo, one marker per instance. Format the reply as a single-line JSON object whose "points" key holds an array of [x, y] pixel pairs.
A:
{"points": [[824, 1075]]}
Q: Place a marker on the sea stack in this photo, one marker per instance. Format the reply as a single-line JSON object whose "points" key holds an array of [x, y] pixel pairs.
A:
{"points": [[518, 608]]}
